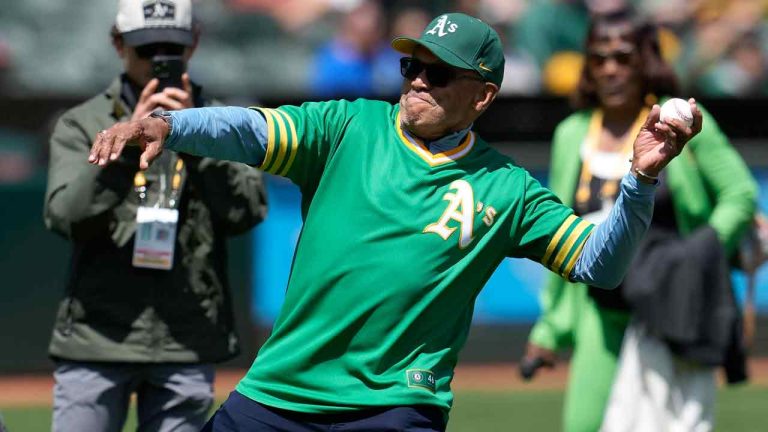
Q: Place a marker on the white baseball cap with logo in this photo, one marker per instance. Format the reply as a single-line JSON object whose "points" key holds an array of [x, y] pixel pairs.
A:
{"points": [[142, 22]]}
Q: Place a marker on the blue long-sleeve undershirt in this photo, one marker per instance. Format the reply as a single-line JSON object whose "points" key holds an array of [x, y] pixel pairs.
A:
{"points": [[228, 133], [608, 252], [240, 134]]}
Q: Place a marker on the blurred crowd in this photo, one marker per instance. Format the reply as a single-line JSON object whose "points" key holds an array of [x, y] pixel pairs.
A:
{"points": [[332, 48], [321, 49]]}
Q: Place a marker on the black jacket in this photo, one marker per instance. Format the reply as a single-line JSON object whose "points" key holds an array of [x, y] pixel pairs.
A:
{"points": [[680, 290]]}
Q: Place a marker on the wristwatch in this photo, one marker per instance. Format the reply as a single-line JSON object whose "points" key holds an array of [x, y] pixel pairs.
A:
{"points": [[166, 116]]}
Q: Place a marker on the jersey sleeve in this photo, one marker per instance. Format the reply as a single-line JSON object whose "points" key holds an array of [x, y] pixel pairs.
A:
{"points": [[547, 231], [302, 139]]}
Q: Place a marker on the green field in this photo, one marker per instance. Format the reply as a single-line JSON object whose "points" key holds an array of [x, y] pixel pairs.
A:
{"points": [[740, 409]]}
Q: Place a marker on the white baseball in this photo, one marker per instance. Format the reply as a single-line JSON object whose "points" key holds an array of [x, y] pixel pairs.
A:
{"points": [[677, 108]]}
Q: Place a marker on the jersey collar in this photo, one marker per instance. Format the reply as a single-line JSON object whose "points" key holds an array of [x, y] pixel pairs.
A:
{"points": [[433, 159]]}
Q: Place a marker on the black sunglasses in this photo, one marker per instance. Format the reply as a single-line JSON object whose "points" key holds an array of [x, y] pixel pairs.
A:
{"points": [[621, 56], [438, 75], [150, 50]]}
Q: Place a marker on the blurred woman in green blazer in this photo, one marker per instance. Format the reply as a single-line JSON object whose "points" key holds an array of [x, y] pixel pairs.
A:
{"points": [[624, 74]]}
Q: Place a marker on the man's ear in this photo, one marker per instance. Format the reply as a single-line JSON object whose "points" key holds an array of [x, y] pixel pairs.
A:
{"points": [[485, 96], [117, 41], [196, 30], [194, 44]]}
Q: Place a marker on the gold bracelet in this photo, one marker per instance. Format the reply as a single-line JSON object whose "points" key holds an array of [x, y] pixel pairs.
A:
{"points": [[646, 176]]}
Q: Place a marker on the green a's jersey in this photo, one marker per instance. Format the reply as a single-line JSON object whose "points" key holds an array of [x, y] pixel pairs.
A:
{"points": [[397, 243]]}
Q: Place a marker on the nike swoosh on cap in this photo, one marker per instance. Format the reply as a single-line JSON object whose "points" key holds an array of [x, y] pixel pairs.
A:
{"points": [[484, 67]]}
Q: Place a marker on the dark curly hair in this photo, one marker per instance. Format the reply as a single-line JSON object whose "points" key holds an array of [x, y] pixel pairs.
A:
{"points": [[657, 76]]}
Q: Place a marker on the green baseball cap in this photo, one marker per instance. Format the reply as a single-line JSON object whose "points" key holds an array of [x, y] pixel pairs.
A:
{"points": [[461, 41]]}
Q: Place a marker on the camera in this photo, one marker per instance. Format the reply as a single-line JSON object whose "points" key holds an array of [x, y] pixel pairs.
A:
{"points": [[168, 70]]}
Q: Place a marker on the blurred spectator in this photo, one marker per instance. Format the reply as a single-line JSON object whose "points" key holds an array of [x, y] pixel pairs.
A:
{"points": [[550, 26], [560, 74], [503, 14], [40, 33], [674, 14], [17, 162], [409, 22], [18, 158], [294, 14], [675, 302], [552, 33], [147, 307], [740, 73], [5, 63], [527, 76], [724, 52], [346, 65], [471, 7]]}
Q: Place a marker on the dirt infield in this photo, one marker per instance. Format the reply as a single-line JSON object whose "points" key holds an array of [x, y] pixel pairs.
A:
{"points": [[35, 390]]}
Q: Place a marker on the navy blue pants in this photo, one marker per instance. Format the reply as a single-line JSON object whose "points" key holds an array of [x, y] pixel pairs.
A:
{"points": [[240, 414]]}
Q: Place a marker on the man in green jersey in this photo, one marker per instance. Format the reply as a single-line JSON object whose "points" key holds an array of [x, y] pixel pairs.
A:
{"points": [[407, 212]]}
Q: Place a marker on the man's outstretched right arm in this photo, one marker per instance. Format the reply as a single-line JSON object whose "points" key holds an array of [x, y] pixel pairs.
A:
{"points": [[230, 133]]}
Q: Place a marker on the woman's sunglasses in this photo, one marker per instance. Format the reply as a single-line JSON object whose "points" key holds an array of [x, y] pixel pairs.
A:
{"points": [[150, 50], [438, 75], [621, 56]]}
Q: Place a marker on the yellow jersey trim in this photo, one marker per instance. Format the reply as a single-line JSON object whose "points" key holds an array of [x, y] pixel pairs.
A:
{"points": [[417, 146], [294, 144], [283, 142], [556, 239], [569, 243], [572, 262], [270, 138]]}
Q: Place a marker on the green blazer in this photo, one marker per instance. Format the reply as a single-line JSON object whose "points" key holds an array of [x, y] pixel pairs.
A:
{"points": [[709, 183]]}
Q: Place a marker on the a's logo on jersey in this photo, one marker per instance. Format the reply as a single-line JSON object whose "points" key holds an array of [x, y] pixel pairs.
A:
{"points": [[461, 204], [440, 27], [159, 10], [461, 209]]}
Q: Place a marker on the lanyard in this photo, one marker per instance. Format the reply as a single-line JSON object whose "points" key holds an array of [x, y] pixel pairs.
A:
{"points": [[610, 186], [172, 198]]}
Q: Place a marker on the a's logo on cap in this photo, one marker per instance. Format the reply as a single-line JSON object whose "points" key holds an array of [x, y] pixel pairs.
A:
{"points": [[159, 10], [440, 28]]}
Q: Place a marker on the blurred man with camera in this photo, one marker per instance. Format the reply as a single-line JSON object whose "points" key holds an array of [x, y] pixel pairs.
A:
{"points": [[147, 307]]}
